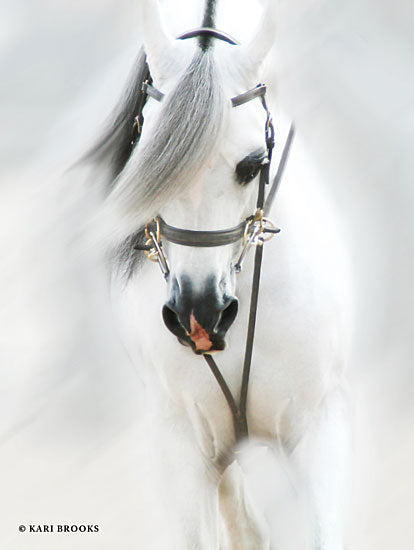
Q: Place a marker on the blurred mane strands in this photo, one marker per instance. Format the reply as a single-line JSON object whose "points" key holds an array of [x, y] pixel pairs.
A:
{"points": [[184, 137]]}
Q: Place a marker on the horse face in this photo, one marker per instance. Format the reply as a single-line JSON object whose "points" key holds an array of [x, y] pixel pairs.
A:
{"points": [[202, 299], [197, 166]]}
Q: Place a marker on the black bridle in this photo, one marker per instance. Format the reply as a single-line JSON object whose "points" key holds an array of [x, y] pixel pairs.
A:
{"points": [[253, 231]]}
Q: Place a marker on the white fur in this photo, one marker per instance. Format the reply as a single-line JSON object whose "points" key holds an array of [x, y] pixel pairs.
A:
{"points": [[296, 396]]}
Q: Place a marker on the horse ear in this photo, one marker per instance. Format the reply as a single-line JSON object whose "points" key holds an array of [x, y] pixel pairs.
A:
{"points": [[159, 45], [257, 49]]}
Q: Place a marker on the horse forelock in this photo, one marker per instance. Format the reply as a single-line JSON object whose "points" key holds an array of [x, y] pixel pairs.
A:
{"points": [[185, 134]]}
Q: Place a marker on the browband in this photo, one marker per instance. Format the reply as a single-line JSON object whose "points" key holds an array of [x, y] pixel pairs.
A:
{"points": [[209, 31], [258, 91]]}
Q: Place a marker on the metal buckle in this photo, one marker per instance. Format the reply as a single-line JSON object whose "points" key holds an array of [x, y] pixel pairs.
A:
{"points": [[257, 228], [156, 253], [258, 231], [153, 239]]}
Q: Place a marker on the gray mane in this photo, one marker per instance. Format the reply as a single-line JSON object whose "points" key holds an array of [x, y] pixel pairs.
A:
{"points": [[114, 146], [144, 176], [187, 129]]}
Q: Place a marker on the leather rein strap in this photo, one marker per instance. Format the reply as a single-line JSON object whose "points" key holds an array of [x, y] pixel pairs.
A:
{"points": [[239, 413]]}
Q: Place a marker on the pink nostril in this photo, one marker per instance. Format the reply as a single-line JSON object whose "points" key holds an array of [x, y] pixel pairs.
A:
{"points": [[199, 335]]}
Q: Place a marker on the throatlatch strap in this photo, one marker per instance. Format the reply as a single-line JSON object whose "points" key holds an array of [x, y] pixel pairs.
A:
{"points": [[280, 169]]}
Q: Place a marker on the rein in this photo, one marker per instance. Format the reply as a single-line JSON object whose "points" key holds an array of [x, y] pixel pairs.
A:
{"points": [[239, 413], [253, 231]]}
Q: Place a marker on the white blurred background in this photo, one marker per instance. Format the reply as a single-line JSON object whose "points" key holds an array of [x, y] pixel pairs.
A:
{"points": [[69, 398]]}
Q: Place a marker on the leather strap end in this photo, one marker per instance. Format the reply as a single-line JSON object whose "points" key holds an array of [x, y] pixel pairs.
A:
{"points": [[152, 92]]}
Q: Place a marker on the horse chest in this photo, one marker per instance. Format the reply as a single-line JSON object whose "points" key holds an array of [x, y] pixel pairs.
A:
{"points": [[288, 383]]}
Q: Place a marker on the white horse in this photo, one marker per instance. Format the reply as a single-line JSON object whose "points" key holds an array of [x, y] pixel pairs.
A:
{"points": [[196, 165]]}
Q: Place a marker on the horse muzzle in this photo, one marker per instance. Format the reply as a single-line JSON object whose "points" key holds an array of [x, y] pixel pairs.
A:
{"points": [[200, 323]]}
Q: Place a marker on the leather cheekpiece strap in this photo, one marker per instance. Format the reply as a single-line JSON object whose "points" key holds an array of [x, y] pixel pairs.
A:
{"points": [[258, 91], [203, 239], [148, 89]]}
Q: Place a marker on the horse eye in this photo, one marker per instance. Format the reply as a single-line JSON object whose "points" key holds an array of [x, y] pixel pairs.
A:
{"points": [[248, 168]]}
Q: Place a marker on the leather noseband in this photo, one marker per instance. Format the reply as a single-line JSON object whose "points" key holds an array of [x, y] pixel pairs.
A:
{"points": [[203, 239]]}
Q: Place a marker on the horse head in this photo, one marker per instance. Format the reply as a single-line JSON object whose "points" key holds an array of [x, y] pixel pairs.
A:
{"points": [[196, 167]]}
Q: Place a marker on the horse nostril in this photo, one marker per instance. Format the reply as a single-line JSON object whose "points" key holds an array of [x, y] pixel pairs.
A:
{"points": [[227, 316], [176, 323], [172, 322]]}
